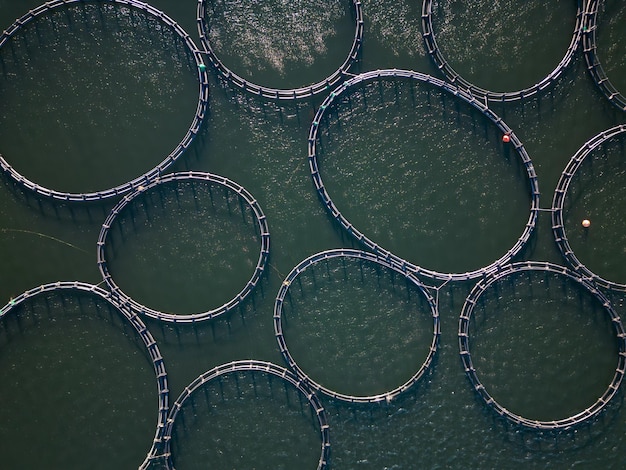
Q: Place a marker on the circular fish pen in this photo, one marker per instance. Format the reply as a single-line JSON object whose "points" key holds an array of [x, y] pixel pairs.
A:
{"points": [[512, 144], [454, 77], [48, 8], [242, 202], [103, 300], [594, 66], [262, 375], [558, 203], [293, 281], [610, 318], [322, 86]]}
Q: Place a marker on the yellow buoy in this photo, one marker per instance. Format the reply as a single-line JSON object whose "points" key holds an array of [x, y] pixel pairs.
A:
{"points": [[586, 223]]}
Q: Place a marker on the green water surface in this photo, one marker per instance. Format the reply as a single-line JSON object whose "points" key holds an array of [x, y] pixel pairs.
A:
{"points": [[99, 103]]}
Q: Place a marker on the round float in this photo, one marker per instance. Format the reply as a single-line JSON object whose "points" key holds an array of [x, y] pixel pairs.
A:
{"points": [[558, 202], [503, 129]]}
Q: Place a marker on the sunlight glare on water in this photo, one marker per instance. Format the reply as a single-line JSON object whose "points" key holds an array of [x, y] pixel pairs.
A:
{"points": [[504, 45], [423, 175], [281, 43], [109, 110]]}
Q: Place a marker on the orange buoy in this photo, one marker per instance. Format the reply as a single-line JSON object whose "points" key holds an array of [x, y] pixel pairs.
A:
{"points": [[506, 138], [586, 223]]}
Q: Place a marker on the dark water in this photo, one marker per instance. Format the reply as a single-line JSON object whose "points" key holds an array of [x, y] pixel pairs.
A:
{"points": [[573, 346], [504, 32], [426, 178], [597, 194], [357, 328], [198, 223], [610, 25], [221, 427], [77, 384], [129, 87], [423, 176]]}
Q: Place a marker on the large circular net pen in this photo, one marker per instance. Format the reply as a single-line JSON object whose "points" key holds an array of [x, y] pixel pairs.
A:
{"points": [[133, 320], [283, 297], [183, 145], [590, 48], [453, 76], [456, 93], [249, 367], [277, 93], [474, 299], [560, 194], [228, 185]]}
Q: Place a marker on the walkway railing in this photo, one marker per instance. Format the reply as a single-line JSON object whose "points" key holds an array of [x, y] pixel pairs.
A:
{"points": [[139, 327], [323, 86], [372, 258], [558, 201], [264, 235], [590, 48], [254, 367], [464, 326], [405, 265], [454, 77], [185, 143]]}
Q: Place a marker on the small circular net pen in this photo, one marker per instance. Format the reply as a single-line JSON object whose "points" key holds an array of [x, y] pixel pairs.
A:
{"points": [[131, 319], [455, 93], [283, 298], [245, 199], [465, 321], [203, 96], [558, 202], [454, 77], [277, 93], [590, 49], [249, 368]]}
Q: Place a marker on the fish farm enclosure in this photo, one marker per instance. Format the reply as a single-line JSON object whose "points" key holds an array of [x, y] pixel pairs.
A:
{"points": [[332, 234]]}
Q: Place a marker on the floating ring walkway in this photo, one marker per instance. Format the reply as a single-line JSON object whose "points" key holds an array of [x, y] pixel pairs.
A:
{"points": [[361, 255], [138, 326], [278, 93], [558, 201], [465, 96], [120, 296], [481, 93], [590, 26], [184, 144], [253, 366], [464, 323]]}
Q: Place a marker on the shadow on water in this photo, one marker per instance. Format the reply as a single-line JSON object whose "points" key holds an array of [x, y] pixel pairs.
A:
{"points": [[548, 442], [91, 212], [410, 190], [195, 241], [342, 313], [535, 337], [86, 368], [84, 116], [289, 113], [246, 416], [214, 331]]}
